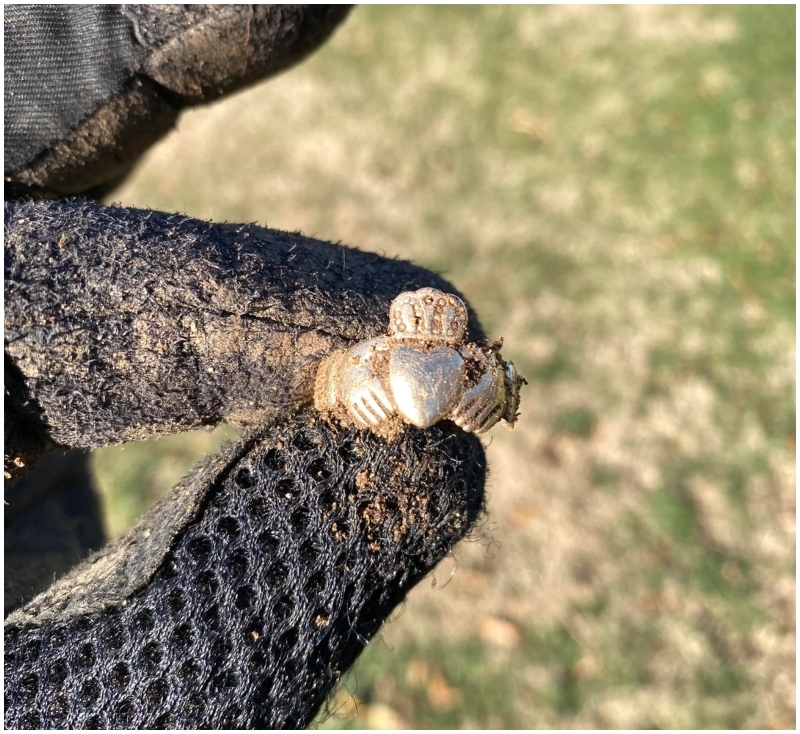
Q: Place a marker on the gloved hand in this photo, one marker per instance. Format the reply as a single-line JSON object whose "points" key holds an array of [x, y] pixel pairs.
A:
{"points": [[241, 599]]}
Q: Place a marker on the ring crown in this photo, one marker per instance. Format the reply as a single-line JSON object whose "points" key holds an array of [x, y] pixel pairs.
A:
{"points": [[428, 314]]}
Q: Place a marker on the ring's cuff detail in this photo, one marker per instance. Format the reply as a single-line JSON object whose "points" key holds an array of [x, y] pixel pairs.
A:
{"points": [[421, 372]]}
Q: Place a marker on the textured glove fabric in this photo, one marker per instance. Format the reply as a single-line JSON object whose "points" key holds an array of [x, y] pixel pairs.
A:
{"points": [[303, 545], [127, 324], [88, 88], [82, 55], [52, 520], [241, 598]]}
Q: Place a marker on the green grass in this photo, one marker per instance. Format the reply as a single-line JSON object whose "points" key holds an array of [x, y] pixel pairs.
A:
{"points": [[613, 188], [578, 422]]}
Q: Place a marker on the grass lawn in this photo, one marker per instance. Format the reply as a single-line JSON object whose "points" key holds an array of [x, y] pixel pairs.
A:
{"points": [[613, 187]]}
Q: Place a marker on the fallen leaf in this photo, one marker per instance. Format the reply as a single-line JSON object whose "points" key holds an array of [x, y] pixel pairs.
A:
{"points": [[587, 667], [382, 717], [525, 516], [441, 695], [418, 673], [500, 632]]}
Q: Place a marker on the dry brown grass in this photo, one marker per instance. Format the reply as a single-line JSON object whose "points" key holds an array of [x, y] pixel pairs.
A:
{"points": [[611, 187]]}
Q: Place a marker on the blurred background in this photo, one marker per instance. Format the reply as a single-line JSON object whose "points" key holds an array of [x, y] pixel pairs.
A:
{"points": [[614, 190]]}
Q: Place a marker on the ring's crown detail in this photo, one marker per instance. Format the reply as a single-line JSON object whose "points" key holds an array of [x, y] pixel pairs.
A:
{"points": [[421, 372], [428, 314]]}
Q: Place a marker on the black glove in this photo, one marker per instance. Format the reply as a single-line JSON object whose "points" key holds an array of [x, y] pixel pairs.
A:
{"points": [[241, 599], [89, 88]]}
